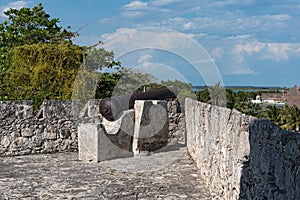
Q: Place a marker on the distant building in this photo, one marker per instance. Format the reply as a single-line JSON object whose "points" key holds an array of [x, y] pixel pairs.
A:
{"points": [[270, 98], [257, 100], [293, 97]]}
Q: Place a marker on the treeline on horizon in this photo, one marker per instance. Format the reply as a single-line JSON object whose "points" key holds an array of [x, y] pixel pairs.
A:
{"points": [[250, 88]]}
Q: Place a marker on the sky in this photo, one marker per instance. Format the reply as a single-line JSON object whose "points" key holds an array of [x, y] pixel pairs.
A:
{"points": [[240, 43]]}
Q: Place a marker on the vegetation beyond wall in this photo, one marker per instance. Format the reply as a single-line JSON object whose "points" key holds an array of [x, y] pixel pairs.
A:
{"points": [[242, 157]]}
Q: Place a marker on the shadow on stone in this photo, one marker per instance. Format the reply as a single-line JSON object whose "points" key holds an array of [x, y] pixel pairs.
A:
{"points": [[149, 127], [273, 168]]}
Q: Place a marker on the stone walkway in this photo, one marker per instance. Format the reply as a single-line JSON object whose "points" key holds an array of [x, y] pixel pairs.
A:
{"points": [[165, 175]]}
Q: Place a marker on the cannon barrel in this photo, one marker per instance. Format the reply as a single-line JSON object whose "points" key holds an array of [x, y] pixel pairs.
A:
{"points": [[110, 108]]}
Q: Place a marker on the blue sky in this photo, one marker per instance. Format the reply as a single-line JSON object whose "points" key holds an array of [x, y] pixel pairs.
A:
{"points": [[251, 42]]}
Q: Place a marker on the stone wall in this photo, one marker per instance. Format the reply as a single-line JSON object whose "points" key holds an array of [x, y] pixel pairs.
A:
{"points": [[176, 122], [52, 129], [241, 157]]}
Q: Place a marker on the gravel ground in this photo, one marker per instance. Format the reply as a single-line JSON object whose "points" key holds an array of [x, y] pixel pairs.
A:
{"points": [[165, 175]]}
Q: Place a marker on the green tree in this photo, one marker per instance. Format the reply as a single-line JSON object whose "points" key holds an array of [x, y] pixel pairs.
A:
{"points": [[43, 71], [291, 118], [25, 27], [274, 113], [30, 26], [98, 58], [203, 95], [185, 90], [90, 82], [230, 99], [131, 81], [106, 84], [217, 95]]}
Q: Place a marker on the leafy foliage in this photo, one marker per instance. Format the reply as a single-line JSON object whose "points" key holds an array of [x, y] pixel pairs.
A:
{"points": [[215, 95], [106, 84], [31, 27], [185, 90], [123, 81], [43, 71], [98, 58], [287, 117]]}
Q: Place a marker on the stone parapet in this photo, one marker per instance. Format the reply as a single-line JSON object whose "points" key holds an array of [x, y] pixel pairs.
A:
{"points": [[241, 157], [53, 129]]}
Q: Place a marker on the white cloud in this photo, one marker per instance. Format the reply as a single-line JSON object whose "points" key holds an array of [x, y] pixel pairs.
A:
{"points": [[174, 43], [15, 5], [108, 20], [136, 9], [217, 53], [239, 37], [198, 23], [161, 72], [132, 14], [136, 5], [144, 59], [189, 26], [155, 37], [164, 2], [229, 2], [270, 51], [281, 51], [281, 17], [248, 48], [120, 31], [240, 71], [230, 23]]}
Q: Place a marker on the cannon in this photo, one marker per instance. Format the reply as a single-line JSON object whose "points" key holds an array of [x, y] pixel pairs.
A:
{"points": [[111, 108]]}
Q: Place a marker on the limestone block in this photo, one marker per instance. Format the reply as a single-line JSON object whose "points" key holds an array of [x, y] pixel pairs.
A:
{"points": [[24, 111], [64, 133], [20, 143], [151, 130], [95, 144], [88, 142], [5, 142], [50, 133], [27, 132]]}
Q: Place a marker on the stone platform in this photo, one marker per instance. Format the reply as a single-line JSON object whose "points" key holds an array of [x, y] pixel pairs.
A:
{"points": [[164, 175]]}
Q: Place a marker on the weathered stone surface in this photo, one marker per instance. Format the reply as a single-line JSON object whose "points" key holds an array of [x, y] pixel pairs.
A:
{"points": [[94, 145], [62, 176], [12, 110], [5, 142], [116, 137], [27, 132], [120, 132], [176, 122], [241, 157], [50, 133], [58, 121], [17, 121], [151, 130]]}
